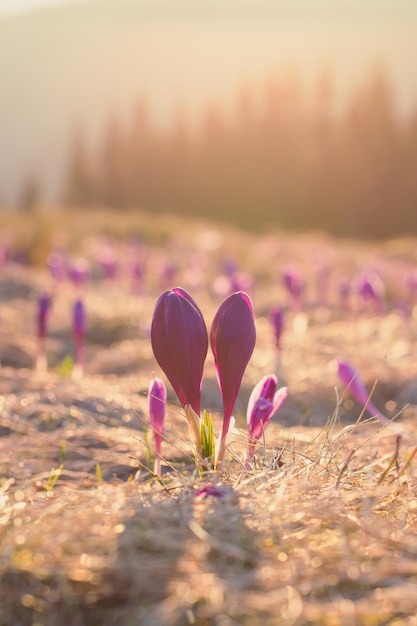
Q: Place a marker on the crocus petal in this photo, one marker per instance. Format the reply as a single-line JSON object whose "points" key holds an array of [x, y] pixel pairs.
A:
{"points": [[179, 342], [265, 388], [279, 398], [232, 340], [263, 403], [260, 416]]}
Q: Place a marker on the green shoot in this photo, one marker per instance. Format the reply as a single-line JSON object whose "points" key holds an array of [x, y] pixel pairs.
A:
{"points": [[52, 479], [99, 473], [208, 441]]}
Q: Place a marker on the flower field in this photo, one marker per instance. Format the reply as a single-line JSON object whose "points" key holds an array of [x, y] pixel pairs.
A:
{"points": [[110, 512]]}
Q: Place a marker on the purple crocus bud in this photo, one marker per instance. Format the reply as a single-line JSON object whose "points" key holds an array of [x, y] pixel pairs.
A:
{"points": [[276, 317], [232, 339], [264, 401], [352, 381], [56, 266], [371, 289], [293, 281], [344, 292], [179, 342], [79, 327], [79, 319], [157, 397], [107, 258], [216, 491], [78, 271], [44, 307]]}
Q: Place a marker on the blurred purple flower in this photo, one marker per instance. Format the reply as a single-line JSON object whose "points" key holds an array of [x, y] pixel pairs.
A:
{"points": [[276, 317], [79, 320], [157, 397], [371, 289], [344, 292], [294, 283], [179, 342], [44, 307], [232, 339], [350, 378], [264, 401], [79, 271], [57, 266], [216, 491], [107, 258]]}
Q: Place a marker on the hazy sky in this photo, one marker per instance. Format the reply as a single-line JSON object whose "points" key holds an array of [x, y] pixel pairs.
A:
{"points": [[81, 62], [19, 6]]}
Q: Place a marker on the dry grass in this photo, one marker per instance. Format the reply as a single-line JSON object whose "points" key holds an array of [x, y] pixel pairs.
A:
{"points": [[321, 531]]}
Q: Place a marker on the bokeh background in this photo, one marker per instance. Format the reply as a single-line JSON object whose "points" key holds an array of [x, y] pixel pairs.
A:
{"points": [[292, 113]]}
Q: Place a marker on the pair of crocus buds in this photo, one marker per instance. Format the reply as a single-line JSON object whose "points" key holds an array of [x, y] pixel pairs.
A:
{"points": [[180, 342], [264, 401]]}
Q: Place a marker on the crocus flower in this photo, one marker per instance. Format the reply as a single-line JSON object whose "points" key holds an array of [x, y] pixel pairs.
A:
{"points": [[107, 258], [352, 381], [293, 281], [79, 327], [216, 491], [232, 339], [276, 317], [157, 397], [44, 307], [264, 401], [179, 342], [56, 266], [344, 292], [78, 271], [372, 290]]}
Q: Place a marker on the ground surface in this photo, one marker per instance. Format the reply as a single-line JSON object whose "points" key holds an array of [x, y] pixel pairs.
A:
{"points": [[322, 530]]}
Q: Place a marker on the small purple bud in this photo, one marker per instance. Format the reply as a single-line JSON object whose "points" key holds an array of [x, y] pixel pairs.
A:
{"points": [[264, 401], [79, 319], [79, 327], [351, 380], [371, 289], [276, 317], [157, 397], [78, 271], [216, 491], [344, 291], [107, 258], [44, 307], [179, 342], [56, 266], [293, 281], [232, 340]]}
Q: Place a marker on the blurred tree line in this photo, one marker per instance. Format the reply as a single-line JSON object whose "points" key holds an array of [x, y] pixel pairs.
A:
{"points": [[279, 158]]}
